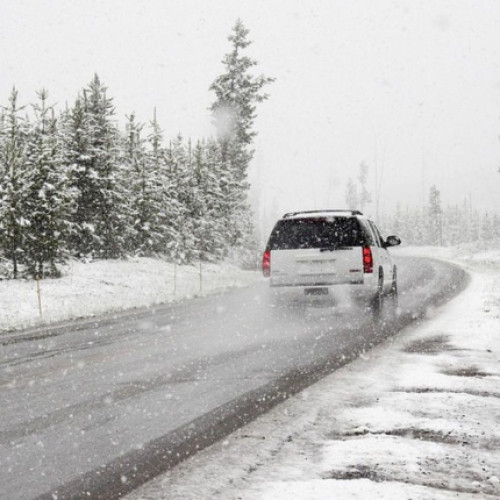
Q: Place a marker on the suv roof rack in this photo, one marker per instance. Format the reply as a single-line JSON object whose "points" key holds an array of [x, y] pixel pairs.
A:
{"points": [[292, 214]]}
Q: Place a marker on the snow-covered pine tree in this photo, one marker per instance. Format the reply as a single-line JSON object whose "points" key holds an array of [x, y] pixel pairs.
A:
{"points": [[192, 202], [47, 202], [417, 221], [183, 249], [82, 179], [364, 195], [451, 224], [198, 201], [237, 92], [466, 222], [351, 195], [495, 226], [140, 211], [475, 226], [208, 201], [435, 217], [485, 230], [13, 135], [92, 153], [165, 203], [397, 223], [109, 217], [215, 184], [237, 214], [3, 260]]}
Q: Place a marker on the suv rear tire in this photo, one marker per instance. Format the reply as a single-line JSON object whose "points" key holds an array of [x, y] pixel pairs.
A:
{"points": [[377, 303], [393, 294]]}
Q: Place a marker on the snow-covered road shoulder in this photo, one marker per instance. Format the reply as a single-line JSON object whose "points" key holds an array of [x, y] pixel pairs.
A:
{"points": [[418, 418], [98, 287]]}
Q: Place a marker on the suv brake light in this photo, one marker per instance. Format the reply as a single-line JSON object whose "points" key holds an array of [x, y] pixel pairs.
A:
{"points": [[367, 260], [266, 264]]}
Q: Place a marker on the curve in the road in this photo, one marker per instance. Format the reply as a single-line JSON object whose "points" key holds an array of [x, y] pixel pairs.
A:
{"points": [[420, 290]]}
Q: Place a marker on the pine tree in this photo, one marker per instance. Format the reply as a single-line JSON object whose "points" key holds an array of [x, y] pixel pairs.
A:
{"points": [[165, 202], [110, 200], [92, 152], [397, 223], [496, 226], [139, 206], [47, 201], [237, 92], [475, 229], [453, 226], [364, 195], [183, 249], [435, 214], [82, 178], [12, 183], [216, 183], [210, 228], [351, 195], [3, 260], [418, 226], [485, 231]]}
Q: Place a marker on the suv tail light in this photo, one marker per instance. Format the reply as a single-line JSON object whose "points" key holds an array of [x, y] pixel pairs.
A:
{"points": [[367, 260], [266, 264]]}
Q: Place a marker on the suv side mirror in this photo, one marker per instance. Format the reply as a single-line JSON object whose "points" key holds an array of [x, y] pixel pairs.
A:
{"points": [[392, 241]]}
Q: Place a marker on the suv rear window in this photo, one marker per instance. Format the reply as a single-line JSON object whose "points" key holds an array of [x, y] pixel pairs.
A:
{"points": [[329, 232]]}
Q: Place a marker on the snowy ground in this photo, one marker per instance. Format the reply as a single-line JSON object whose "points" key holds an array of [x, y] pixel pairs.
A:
{"points": [[416, 418], [89, 289]]}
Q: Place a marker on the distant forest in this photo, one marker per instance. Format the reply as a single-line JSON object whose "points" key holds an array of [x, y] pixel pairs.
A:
{"points": [[431, 224], [442, 226], [73, 184]]}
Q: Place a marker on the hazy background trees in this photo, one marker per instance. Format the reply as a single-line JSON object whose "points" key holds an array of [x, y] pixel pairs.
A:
{"points": [[429, 224], [437, 225]]}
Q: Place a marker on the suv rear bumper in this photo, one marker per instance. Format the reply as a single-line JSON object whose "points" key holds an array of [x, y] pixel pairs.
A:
{"points": [[357, 292]]}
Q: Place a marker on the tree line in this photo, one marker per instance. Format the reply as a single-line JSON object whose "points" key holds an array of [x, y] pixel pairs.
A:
{"points": [[431, 224], [73, 184], [436, 225]]}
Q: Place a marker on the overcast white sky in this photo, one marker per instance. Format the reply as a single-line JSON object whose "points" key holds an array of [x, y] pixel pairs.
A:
{"points": [[410, 87]]}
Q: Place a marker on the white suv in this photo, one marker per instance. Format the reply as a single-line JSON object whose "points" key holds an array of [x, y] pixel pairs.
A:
{"points": [[327, 251]]}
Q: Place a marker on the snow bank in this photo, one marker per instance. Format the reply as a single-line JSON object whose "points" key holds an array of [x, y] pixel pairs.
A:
{"points": [[467, 254], [89, 289]]}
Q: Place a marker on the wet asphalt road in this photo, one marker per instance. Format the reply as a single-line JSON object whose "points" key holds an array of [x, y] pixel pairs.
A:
{"points": [[94, 409]]}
